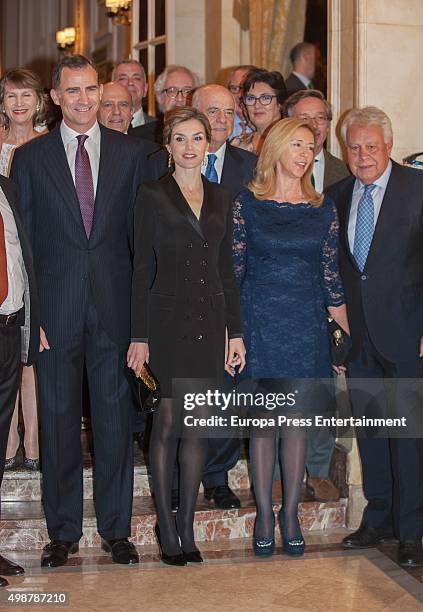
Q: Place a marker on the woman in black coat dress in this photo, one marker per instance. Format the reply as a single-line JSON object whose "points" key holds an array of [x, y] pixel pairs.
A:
{"points": [[183, 229]]}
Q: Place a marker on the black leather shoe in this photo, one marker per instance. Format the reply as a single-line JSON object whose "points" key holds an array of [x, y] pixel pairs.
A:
{"points": [[366, 537], [56, 553], [178, 559], [123, 551], [175, 500], [9, 568], [410, 553], [193, 557], [3, 582], [222, 496]]}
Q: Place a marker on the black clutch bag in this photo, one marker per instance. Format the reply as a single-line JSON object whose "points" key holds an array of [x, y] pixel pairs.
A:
{"points": [[340, 343], [146, 389]]}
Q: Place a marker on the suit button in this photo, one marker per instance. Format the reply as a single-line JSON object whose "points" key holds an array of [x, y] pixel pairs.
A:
{"points": [[363, 277], [199, 337], [202, 281], [189, 245], [205, 245], [187, 262], [201, 317], [204, 262], [202, 300], [186, 279]]}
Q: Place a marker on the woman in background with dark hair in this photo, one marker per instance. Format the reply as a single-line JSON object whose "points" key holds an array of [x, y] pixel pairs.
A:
{"points": [[264, 95], [183, 224], [22, 110]]}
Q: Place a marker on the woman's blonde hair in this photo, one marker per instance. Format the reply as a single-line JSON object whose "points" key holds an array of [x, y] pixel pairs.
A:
{"points": [[277, 140]]}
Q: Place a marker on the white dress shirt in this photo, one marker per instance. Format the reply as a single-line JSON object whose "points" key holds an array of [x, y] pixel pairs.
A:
{"points": [[138, 118], [218, 164], [304, 80], [92, 146], [377, 194], [319, 171], [15, 263]]}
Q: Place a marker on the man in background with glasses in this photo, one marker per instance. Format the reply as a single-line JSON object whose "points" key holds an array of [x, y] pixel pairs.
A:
{"points": [[173, 88], [236, 80], [311, 105]]}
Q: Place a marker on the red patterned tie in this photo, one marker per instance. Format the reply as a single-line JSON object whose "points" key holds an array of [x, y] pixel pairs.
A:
{"points": [[3, 264], [84, 184]]}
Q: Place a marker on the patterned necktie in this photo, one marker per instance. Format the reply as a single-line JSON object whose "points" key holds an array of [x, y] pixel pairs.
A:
{"points": [[210, 172], [364, 226], [3, 264], [310, 85], [84, 184]]}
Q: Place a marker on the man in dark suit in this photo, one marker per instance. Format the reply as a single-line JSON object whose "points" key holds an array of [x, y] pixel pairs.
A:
{"points": [[77, 189], [131, 74], [19, 325], [173, 88], [233, 168], [311, 106], [381, 261], [303, 58]]}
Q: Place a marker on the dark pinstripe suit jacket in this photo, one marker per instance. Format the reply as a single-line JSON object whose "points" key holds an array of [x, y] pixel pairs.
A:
{"points": [[71, 269]]}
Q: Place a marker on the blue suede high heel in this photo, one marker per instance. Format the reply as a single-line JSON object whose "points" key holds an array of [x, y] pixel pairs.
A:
{"points": [[264, 547], [294, 547]]}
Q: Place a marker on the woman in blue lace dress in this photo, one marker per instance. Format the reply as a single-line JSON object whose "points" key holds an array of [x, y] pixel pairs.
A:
{"points": [[286, 251]]}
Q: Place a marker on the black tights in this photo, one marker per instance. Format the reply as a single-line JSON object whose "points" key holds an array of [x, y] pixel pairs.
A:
{"points": [[292, 450], [164, 442]]}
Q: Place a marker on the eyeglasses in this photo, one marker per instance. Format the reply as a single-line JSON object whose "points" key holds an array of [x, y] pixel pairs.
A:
{"points": [[235, 89], [214, 112], [320, 118], [264, 99], [173, 92]]}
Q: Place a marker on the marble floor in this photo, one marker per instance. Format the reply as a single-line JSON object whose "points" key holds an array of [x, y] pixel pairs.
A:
{"points": [[326, 579]]}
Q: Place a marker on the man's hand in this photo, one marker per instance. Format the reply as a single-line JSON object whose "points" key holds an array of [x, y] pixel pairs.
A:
{"points": [[138, 355], [44, 345], [421, 347]]}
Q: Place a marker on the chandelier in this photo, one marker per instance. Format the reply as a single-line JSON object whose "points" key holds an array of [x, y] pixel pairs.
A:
{"points": [[66, 38], [119, 11]]}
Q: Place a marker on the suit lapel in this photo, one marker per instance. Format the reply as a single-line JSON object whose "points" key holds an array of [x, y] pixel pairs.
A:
{"points": [[344, 208], [57, 167], [108, 170], [230, 171], [178, 200]]}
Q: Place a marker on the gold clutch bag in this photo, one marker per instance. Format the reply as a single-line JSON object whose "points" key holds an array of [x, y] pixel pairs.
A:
{"points": [[146, 389]]}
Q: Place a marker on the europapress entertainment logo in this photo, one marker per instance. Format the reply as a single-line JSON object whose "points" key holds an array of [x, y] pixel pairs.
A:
{"points": [[218, 399]]}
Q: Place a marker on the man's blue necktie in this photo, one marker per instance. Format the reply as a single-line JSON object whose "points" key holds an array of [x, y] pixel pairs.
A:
{"points": [[211, 173], [364, 226]]}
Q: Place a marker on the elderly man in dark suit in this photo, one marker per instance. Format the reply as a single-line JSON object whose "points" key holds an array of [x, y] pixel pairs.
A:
{"points": [[131, 74], [77, 189], [19, 325], [311, 105], [173, 88], [381, 211]]}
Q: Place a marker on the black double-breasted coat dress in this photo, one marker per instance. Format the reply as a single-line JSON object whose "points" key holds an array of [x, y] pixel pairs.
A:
{"points": [[184, 292]]}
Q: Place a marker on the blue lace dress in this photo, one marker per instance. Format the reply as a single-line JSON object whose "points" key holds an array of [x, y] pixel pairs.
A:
{"points": [[286, 261]]}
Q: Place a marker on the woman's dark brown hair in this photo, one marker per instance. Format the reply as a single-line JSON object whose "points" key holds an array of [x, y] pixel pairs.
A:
{"points": [[179, 115]]}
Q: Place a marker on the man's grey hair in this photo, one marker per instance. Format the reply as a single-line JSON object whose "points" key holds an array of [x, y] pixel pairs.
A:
{"points": [[298, 50], [366, 116], [159, 84], [129, 61], [303, 94]]}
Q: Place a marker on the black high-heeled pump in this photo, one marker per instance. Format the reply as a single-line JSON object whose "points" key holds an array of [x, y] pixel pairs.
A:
{"points": [[178, 559], [193, 557]]}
